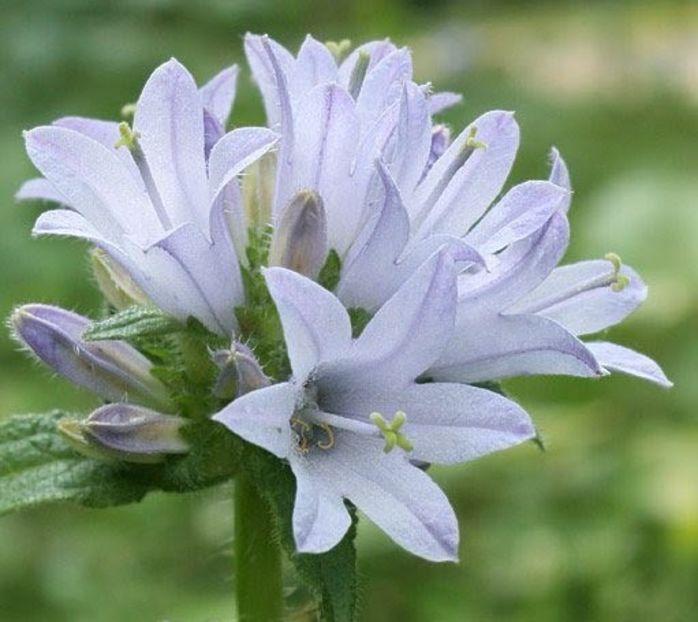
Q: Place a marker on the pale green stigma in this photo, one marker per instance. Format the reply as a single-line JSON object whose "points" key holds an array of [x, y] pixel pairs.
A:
{"points": [[620, 281], [128, 110], [391, 431], [471, 142], [338, 49], [127, 137]]}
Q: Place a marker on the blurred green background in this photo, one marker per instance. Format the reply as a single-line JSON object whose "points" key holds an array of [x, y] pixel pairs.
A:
{"points": [[604, 525]]}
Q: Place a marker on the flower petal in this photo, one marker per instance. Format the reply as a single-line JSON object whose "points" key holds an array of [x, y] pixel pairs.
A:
{"points": [[382, 85], [446, 422], [39, 189], [320, 518], [235, 152], [262, 417], [522, 211], [513, 345], [398, 497], [218, 94], [617, 358], [408, 333], [219, 289], [438, 102], [93, 180], [560, 175], [520, 268], [169, 120], [316, 325], [262, 54], [314, 65], [581, 297], [326, 131], [449, 202]]}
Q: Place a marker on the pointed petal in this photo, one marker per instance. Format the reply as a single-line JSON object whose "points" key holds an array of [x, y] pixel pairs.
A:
{"points": [[326, 133], [453, 204], [516, 345], [410, 148], [320, 518], [169, 120], [314, 65], [376, 50], [399, 498], [382, 85], [218, 94], [617, 358], [220, 289], [408, 333], [262, 417], [39, 189], [105, 133], [560, 175], [580, 296], [93, 180], [235, 152], [521, 268], [438, 102], [375, 250], [316, 325], [257, 48], [522, 211], [446, 422]]}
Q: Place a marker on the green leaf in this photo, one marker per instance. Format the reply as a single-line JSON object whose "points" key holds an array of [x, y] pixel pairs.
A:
{"points": [[135, 322], [331, 575], [38, 466]]}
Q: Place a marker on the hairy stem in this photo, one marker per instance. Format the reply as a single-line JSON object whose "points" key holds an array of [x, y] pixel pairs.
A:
{"points": [[258, 584]]}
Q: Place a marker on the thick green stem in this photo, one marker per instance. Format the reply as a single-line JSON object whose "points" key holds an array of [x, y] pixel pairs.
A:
{"points": [[258, 584]]}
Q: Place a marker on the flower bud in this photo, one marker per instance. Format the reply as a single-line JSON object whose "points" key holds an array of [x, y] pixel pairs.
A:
{"points": [[125, 432], [116, 286], [112, 369], [300, 235], [239, 372]]}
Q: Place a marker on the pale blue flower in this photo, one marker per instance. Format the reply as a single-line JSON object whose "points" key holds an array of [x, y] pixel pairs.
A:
{"points": [[351, 420], [156, 198], [524, 315], [392, 187]]}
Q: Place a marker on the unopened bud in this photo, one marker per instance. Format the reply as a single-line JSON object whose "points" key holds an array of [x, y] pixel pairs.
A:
{"points": [[126, 433], [114, 283], [239, 372], [114, 370], [300, 236]]}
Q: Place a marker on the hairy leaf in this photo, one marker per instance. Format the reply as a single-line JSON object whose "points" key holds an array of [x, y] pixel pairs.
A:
{"points": [[38, 466], [134, 322]]}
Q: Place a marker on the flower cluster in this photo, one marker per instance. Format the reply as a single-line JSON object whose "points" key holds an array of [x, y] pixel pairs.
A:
{"points": [[395, 275]]}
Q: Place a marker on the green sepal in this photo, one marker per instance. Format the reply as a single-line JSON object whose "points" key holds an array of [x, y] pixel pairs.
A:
{"points": [[38, 466], [332, 575], [137, 321], [359, 318]]}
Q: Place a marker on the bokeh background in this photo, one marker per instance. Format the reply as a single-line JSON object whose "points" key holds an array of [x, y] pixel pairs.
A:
{"points": [[604, 524]]}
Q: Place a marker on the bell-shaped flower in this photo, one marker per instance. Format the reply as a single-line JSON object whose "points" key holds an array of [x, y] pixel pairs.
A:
{"points": [[114, 370], [371, 152], [523, 317], [352, 421], [156, 197]]}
